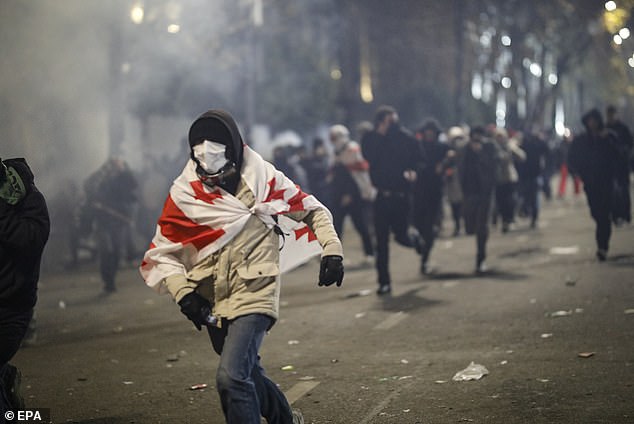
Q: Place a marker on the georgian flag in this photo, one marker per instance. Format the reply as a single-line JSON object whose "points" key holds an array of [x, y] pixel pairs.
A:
{"points": [[197, 221]]}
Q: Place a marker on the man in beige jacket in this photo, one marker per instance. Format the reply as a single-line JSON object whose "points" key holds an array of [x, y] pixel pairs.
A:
{"points": [[217, 253]]}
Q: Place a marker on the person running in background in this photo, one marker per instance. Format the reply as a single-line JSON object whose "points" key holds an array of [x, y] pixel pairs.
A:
{"points": [[592, 156], [507, 177], [393, 156], [564, 167], [111, 193], [456, 140], [428, 188], [622, 204], [351, 188], [531, 175], [477, 163]]}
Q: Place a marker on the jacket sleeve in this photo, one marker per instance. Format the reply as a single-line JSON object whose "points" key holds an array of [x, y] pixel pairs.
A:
{"points": [[319, 222], [178, 286], [25, 227]]}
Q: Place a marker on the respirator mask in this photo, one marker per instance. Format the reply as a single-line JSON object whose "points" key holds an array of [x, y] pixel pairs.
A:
{"points": [[212, 166], [12, 188]]}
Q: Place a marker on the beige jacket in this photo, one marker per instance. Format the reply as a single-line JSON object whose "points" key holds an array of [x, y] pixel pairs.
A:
{"points": [[241, 278]]}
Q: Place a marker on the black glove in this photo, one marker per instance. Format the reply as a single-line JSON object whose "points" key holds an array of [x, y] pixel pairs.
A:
{"points": [[331, 270], [196, 308]]}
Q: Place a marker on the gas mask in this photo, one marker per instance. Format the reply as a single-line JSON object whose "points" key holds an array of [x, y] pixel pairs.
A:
{"points": [[12, 188], [212, 165]]}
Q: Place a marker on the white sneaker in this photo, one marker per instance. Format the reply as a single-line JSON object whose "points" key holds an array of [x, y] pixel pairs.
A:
{"points": [[298, 418]]}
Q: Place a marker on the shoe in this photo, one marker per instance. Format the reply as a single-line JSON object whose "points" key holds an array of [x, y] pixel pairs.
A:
{"points": [[298, 418], [384, 289], [425, 269], [481, 267], [12, 380], [367, 261], [505, 228], [602, 255], [108, 289]]}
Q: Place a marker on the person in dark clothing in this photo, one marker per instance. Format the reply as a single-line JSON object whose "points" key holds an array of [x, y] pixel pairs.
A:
{"points": [[531, 175], [393, 156], [24, 231], [428, 189], [477, 167], [622, 202], [352, 190], [564, 168], [507, 176], [456, 139], [110, 195], [592, 156], [286, 159], [316, 166]]}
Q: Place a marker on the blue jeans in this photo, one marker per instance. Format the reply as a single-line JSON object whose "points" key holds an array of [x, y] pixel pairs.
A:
{"points": [[245, 391]]}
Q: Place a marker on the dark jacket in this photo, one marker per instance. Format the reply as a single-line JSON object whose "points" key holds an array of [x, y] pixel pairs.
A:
{"points": [[24, 230], [430, 181], [593, 156], [478, 169], [537, 153], [389, 157]]}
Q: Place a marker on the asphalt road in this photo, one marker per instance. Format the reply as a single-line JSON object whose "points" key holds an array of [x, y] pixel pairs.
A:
{"points": [[345, 355]]}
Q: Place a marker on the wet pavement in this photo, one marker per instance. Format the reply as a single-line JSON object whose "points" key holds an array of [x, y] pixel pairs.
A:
{"points": [[553, 327]]}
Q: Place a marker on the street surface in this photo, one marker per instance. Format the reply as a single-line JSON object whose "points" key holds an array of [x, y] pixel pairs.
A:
{"points": [[345, 355]]}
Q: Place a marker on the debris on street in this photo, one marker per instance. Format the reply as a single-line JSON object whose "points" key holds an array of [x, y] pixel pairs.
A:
{"points": [[558, 314], [472, 372], [564, 250]]}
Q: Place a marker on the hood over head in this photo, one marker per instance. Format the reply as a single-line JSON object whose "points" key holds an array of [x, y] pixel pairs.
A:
{"points": [[23, 170], [593, 114], [218, 126], [430, 124]]}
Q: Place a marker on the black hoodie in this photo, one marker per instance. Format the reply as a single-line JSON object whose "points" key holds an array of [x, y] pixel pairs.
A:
{"points": [[593, 154], [24, 230]]}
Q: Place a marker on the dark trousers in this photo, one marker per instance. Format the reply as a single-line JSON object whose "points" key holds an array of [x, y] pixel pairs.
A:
{"points": [[477, 210], [391, 213], [427, 209], [456, 213], [600, 202], [245, 391], [13, 327], [530, 198], [358, 212], [111, 241], [623, 204], [505, 201]]}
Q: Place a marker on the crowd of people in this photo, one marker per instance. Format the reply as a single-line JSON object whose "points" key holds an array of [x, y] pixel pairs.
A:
{"points": [[393, 180], [398, 181]]}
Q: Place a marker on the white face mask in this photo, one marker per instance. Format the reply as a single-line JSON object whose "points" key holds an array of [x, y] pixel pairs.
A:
{"points": [[211, 155]]}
